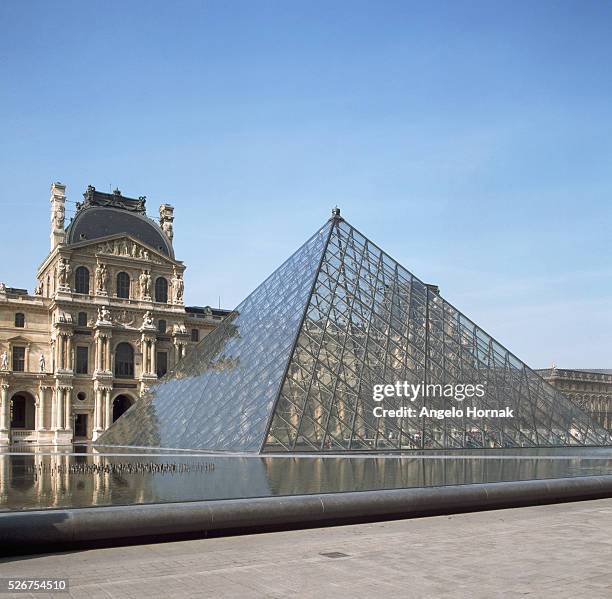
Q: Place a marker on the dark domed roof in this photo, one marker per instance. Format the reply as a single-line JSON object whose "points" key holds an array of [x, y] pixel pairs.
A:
{"points": [[104, 214]]}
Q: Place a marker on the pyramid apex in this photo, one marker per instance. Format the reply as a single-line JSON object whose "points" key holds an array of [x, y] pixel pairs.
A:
{"points": [[336, 213]]}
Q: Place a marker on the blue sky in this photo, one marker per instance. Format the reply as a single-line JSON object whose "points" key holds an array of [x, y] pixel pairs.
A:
{"points": [[471, 140]]}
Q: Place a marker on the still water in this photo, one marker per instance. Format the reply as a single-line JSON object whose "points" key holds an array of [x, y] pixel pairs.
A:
{"points": [[79, 476]]}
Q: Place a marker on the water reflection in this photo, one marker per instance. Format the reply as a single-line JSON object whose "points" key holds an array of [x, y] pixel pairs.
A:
{"points": [[79, 477]]}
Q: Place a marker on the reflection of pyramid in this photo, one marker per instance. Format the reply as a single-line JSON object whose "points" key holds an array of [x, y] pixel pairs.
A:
{"points": [[293, 368]]}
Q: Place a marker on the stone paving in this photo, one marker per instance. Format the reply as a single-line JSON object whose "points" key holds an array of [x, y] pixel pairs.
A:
{"points": [[556, 551]]}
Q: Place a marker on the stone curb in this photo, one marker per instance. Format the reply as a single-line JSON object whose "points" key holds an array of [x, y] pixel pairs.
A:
{"points": [[28, 531]]}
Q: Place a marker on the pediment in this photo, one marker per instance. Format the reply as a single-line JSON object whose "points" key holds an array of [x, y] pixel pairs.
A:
{"points": [[122, 247], [19, 339]]}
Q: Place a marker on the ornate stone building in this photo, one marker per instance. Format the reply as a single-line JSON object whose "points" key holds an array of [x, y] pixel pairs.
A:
{"points": [[106, 320], [590, 389]]}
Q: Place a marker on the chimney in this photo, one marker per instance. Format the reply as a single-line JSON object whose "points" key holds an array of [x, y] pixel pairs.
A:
{"points": [[166, 218], [58, 214]]}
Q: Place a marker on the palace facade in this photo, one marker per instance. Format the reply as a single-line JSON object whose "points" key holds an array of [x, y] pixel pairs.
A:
{"points": [[106, 320], [590, 389]]}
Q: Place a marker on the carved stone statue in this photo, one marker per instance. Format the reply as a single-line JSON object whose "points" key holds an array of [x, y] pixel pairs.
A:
{"points": [[166, 218], [41, 361], [180, 289], [4, 361], [59, 215], [102, 278], [178, 286], [147, 320], [104, 314], [145, 284], [38, 289], [63, 273]]}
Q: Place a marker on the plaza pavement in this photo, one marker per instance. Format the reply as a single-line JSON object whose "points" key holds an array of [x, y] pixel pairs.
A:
{"points": [[555, 551]]}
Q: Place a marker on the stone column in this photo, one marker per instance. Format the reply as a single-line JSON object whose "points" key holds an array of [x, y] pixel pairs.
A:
{"points": [[26, 366], [98, 414], [69, 352], [68, 408], [59, 345], [102, 352], [59, 408], [108, 419], [99, 362], [146, 366], [63, 356], [5, 409], [153, 357], [106, 353], [99, 351], [95, 413], [42, 404], [53, 423], [143, 345]]}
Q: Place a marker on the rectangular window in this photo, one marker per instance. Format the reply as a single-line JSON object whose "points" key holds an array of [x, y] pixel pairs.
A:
{"points": [[162, 363], [82, 359], [19, 359], [195, 335]]}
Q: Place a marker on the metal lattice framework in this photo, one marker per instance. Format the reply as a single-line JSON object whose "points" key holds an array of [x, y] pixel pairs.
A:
{"points": [[294, 366]]}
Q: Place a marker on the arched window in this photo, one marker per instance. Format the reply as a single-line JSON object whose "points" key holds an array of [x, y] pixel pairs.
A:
{"points": [[82, 319], [81, 280], [161, 325], [20, 320], [124, 361], [123, 285], [161, 290]]}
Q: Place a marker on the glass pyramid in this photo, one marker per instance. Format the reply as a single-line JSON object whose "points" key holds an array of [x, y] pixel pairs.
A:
{"points": [[294, 366]]}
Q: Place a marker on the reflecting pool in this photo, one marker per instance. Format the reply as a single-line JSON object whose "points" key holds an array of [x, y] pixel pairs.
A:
{"points": [[79, 476]]}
